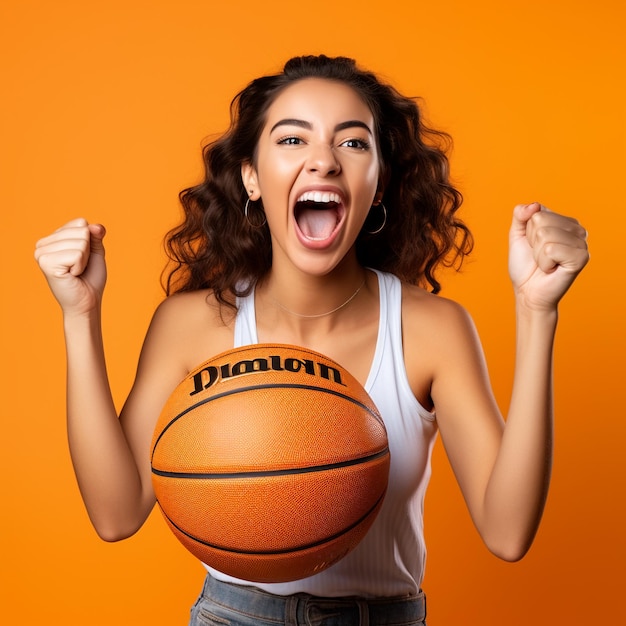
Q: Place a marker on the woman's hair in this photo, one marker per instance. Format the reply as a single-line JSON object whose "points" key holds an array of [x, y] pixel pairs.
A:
{"points": [[217, 247]]}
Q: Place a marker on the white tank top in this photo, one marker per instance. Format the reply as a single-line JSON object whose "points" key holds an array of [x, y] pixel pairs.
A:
{"points": [[390, 560]]}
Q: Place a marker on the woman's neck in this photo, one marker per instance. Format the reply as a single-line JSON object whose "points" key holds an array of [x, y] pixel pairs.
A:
{"points": [[303, 307]]}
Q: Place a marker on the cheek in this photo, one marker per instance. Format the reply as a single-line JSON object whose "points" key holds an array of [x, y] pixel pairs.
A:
{"points": [[371, 180], [277, 174], [275, 183]]}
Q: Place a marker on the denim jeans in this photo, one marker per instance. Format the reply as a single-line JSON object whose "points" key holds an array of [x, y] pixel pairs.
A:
{"points": [[224, 604]]}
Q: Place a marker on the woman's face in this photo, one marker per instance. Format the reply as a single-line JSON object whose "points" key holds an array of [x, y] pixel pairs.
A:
{"points": [[317, 172]]}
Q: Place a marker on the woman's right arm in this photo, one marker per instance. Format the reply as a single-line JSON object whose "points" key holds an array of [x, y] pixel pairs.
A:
{"points": [[110, 454]]}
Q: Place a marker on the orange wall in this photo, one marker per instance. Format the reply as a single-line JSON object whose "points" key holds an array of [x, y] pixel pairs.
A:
{"points": [[105, 105]]}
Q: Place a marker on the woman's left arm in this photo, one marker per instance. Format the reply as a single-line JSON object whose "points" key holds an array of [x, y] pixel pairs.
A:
{"points": [[504, 468]]}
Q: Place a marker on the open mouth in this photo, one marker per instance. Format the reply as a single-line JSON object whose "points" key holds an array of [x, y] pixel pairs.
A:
{"points": [[317, 214]]}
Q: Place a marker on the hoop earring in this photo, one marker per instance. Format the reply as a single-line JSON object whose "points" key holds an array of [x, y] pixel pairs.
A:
{"points": [[375, 232], [245, 213]]}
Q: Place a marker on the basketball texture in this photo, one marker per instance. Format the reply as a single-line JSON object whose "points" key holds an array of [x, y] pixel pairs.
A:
{"points": [[270, 462]]}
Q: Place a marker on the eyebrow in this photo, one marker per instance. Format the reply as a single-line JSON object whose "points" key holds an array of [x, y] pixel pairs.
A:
{"points": [[309, 126]]}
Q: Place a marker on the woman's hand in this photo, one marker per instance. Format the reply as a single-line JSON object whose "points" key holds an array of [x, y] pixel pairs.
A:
{"points": [[72, 260], [546, 253]]}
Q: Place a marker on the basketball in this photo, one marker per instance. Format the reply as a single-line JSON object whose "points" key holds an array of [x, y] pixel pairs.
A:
{"points": [[270, 462]]}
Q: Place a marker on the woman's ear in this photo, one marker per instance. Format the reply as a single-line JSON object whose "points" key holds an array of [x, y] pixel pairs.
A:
{"points": [[378, 196], [250, 180], [383, 181]]}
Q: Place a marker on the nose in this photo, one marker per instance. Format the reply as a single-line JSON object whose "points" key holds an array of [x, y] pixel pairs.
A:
{"points": [[322, 160]]}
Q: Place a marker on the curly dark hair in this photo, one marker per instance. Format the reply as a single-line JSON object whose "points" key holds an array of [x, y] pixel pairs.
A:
{"points": [[217, 248]]}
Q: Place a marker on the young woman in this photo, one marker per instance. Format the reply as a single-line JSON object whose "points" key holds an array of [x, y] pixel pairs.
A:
{"points": [[324, 213]]}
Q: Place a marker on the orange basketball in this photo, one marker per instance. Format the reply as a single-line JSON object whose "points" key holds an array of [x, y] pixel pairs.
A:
{"points": [[270, 462]]}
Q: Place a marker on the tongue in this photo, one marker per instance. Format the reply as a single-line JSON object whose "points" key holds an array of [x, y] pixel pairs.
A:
{"points": [[316, 223]]}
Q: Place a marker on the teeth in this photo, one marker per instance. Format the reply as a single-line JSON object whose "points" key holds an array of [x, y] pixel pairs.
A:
{"points": [[320, 196]]}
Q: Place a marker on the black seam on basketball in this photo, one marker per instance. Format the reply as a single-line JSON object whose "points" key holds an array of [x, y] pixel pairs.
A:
{"points": [[321, 542], [267, 473], [264, 386]]}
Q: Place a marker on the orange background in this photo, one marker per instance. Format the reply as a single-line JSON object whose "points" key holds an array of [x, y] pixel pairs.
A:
{"points": [[105, 105]]}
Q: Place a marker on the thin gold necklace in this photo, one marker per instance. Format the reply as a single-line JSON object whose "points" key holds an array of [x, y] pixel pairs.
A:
{"points": [[352, 297]]}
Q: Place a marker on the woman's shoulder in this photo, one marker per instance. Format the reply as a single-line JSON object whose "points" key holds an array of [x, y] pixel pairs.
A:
{"points": [[197, 302], [417, 301], [194, 324], [435, 331], [433, 319]]}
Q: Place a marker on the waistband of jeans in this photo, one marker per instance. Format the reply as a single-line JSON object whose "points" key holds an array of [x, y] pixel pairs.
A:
{"points": [[387, 610]]}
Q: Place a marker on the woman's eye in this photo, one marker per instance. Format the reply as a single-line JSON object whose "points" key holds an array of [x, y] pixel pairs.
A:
{"points": [[290, 141], [359, 144]]}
